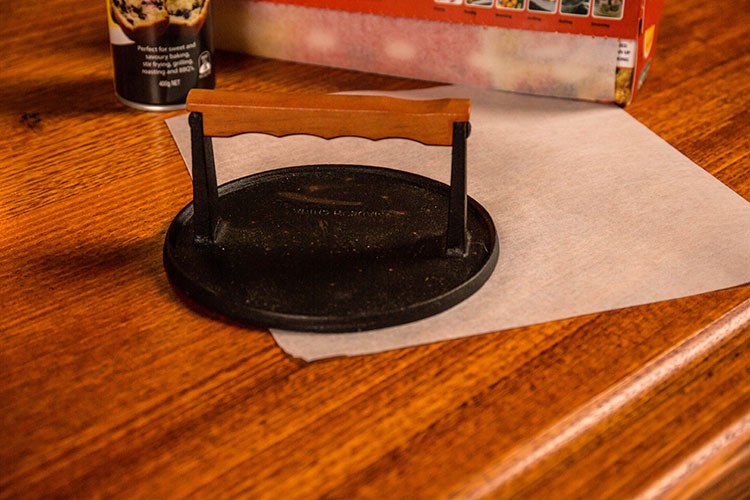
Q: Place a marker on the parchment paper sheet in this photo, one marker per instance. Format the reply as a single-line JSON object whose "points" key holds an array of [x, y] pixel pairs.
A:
{"points": [[594, 212]]}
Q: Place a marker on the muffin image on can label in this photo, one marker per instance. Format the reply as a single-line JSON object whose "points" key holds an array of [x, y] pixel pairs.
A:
{"points": [[186, 17], [143, 21]]}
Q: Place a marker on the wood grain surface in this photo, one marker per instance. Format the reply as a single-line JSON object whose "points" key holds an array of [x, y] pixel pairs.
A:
{"points": [[113, 388]]}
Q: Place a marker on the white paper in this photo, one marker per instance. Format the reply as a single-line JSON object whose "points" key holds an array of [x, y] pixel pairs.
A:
{"points": [[594, 212]]}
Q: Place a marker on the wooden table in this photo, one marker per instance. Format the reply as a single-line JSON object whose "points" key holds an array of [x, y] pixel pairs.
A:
{"points": [[111, 387]]}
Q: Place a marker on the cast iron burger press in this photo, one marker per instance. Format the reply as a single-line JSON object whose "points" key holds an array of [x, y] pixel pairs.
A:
{"points": [[329, 248]]}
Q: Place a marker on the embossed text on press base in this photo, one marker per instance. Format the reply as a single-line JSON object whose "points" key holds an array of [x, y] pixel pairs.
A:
{"points": [[338, 212]]}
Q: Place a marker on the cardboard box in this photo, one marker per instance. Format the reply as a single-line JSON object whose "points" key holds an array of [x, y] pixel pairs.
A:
{"points": [[585, 49]]}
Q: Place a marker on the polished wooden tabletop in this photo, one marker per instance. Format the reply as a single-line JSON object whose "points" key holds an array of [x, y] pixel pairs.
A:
{"points": [[112, 387]]}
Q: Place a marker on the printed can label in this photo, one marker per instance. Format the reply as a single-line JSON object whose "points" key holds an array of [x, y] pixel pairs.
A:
{"points": [[161, 49]]}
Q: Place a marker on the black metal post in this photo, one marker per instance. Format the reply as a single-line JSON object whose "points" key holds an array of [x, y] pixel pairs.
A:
{"points": [[456, 244], [205, 192]]}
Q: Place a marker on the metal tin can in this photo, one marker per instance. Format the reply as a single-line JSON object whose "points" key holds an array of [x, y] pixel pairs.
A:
{"points": [[161, 49]]}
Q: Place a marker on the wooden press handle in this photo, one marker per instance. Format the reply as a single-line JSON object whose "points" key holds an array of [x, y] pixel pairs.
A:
{"points": [[328, 116]]}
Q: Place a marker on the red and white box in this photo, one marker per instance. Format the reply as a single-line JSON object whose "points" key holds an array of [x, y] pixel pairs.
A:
{"points": [[584, 49]]}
